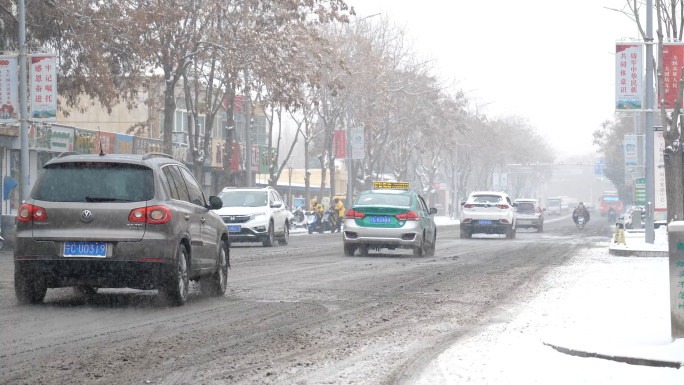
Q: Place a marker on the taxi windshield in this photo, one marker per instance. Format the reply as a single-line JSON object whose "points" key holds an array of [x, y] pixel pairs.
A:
{"points": [[383, 200]]}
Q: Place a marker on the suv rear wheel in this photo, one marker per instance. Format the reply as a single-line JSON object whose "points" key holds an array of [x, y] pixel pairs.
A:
{"points": [[217, 283], [29, 287], [176, 286], [510, 232]]}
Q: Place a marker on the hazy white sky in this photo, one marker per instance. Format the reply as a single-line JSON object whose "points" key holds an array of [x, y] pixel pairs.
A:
{"points": [[550, 61]]}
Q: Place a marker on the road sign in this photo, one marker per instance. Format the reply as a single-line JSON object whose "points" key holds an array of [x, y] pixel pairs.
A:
{"points": [[640, 192], [599, 166]]}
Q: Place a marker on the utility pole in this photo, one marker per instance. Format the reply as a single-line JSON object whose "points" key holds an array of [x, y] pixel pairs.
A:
{"points": [[350, 163], [23, 98], [650, 181], [248, 132]]}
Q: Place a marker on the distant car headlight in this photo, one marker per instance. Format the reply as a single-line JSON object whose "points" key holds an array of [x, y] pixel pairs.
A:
{"points": [[256, 215]]}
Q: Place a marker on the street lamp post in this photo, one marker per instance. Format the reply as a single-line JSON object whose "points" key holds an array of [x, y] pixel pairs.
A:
{"points": [[650, 181], [23, 97]]}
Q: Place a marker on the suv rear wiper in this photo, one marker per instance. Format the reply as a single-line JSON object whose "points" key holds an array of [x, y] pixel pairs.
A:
{"points": [[106, 199]]}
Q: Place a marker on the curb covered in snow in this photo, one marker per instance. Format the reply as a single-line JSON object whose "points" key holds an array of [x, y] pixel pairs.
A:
{"points": [[627, 360]]}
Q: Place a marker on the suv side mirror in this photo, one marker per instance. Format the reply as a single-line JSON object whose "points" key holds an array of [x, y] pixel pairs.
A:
{"points": [[463, 203], [433, 210], [215, 203], [543, 209], [514, 204], [276, 205]]}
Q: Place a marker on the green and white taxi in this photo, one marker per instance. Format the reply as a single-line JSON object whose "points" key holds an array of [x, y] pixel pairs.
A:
{"points": [[390, 216]]}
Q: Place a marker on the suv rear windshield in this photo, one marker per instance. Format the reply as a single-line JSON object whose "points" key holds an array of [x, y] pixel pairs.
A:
{"points": [[244, 198], [554, 202], [526, 207], [383, 200], [94, 182]]}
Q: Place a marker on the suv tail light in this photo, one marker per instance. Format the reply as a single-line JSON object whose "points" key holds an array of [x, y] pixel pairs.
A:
{"points": [[408, 216], [503, 206], [28, 213], [466, 220], [469, 205], [539, 209], [351, 214], [152, 214]]}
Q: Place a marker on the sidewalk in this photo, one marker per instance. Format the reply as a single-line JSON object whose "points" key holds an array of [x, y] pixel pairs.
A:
{"points": [[597, 304]]}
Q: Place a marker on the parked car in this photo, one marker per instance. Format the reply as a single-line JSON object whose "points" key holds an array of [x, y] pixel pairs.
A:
{"points": [[255, 215], [115, 221], [390, 218], [488, 212], [530, 215]]}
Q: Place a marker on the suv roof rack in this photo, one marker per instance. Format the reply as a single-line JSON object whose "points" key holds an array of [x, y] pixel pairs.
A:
{"points": [[156, 154], [67, 153]]}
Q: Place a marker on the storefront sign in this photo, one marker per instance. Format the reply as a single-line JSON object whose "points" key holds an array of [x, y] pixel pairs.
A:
{"points": [[640, 192], [49, 138], [43, 77], [9, 94], [124, 144], [628, 77], [143, 145]]}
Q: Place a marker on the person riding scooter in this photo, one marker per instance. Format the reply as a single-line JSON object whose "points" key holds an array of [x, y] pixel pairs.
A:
{"points": [[339, 210], [580, 211], [317, 209]]}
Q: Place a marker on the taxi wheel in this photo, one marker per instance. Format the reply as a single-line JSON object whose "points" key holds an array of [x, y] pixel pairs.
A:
{"points": [[420, 250], [349, 250], [431, 250]]}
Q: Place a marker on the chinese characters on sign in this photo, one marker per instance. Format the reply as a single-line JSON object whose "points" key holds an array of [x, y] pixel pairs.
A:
{"points": [[43, 91], [660, 203], [673, 58], [9, 97], [628, 76]]}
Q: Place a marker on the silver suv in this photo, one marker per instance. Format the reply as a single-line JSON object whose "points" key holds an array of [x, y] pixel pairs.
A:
{"points": [[115, 221], [255, 215]]}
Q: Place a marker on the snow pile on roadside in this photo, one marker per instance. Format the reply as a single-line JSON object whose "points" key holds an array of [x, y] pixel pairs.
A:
{"points": [[605, 304]]}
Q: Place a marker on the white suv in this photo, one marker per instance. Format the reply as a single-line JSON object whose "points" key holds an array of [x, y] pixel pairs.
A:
{"points": [[488, 212], [255, 215]]}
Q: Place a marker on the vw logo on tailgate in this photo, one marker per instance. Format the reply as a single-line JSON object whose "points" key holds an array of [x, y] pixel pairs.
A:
{"points": [[86, 216]]}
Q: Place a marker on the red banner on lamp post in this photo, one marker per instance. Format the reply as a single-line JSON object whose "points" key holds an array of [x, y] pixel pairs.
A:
{"points": [[673, 59], [340, 144]]}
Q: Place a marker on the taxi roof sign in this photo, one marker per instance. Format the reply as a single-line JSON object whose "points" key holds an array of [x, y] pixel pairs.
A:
{"points": [[392, 185]]}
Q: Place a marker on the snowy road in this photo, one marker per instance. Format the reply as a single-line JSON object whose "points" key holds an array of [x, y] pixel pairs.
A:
{"points": [[303, 313]]}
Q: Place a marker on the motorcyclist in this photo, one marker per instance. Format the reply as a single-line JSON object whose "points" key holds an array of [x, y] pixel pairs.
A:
{"points": [[339, 210], [316, 208], [580, 210]]}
